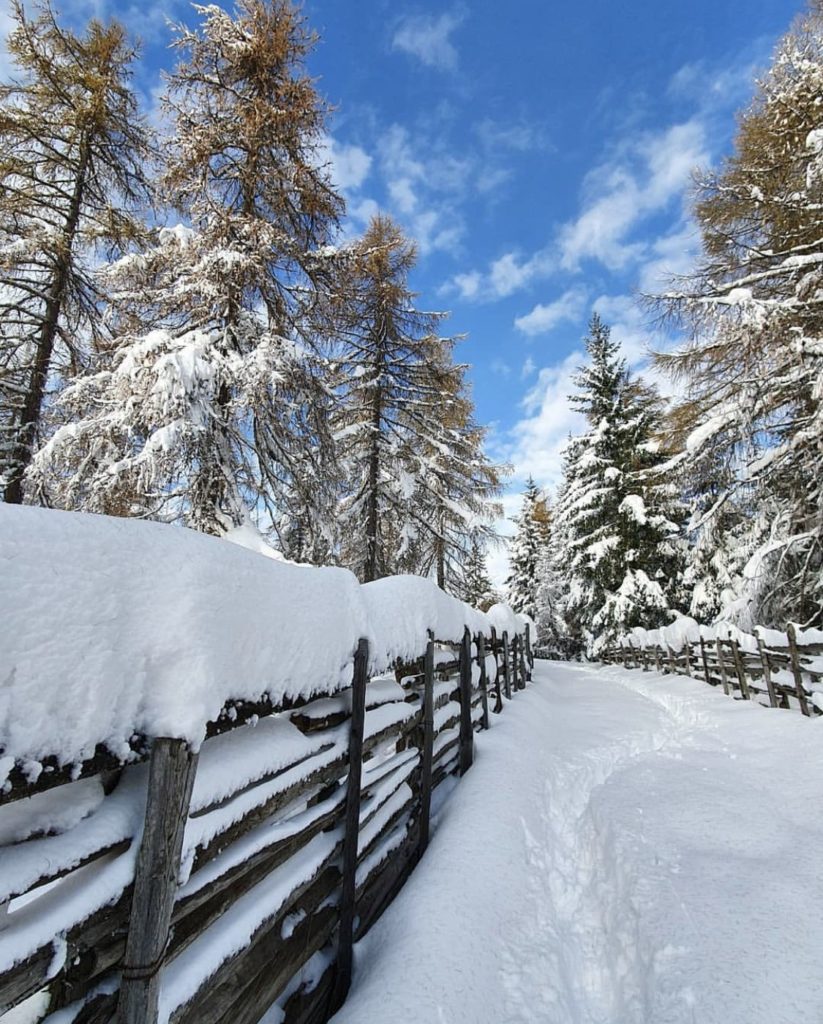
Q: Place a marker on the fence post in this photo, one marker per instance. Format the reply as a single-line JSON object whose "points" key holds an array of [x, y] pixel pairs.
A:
{"points": [[672, 662], [718, 643], [516, 684], [624, 655], [688, 658], [525, 675], [506, 666], [529, 652], [498, 693], [466, 728], [767, 672], [740, 670], [484, 679], [657, 659], [428, 746], [171, 776], [791, 632], [703, 658], [352, 824]]}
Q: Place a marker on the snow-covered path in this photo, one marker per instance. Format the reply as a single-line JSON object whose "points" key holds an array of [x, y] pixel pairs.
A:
{"points": [[627, 848]]}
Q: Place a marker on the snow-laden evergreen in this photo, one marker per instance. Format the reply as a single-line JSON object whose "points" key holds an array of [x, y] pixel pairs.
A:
{"points": [[621, 551], [526, 551]]}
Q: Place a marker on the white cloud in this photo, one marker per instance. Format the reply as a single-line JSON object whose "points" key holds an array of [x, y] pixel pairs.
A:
{"points": [[520, 136], [467, 285], [543, 318], [428, 38], [672, 255], [424, 196], [500, 367], [528, 368], [348, 165], [642, 179], [535, 443], [506, 275]]}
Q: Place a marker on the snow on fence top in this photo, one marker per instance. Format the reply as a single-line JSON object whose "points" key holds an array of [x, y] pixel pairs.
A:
{"points": [[685, 630], [115, 627]]}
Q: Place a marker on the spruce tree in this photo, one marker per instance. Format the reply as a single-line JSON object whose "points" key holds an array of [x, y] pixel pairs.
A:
{"points": [[209, 401], [526, 551], [619, 540], [73, 158], [456, 492], [476, 585], [753, 373]]}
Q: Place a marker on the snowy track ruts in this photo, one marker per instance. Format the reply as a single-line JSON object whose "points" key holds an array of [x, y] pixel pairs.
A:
{"points": [[628, 849]]}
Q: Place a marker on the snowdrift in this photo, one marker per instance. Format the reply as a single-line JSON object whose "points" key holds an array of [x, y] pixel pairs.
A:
{"points": [[111, 627]]}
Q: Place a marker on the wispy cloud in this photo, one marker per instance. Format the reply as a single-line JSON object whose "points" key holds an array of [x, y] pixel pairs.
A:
{"points": [[544, 317], [650, 173], [348, 165], [535, 443], [428, 37], [506, 275]]}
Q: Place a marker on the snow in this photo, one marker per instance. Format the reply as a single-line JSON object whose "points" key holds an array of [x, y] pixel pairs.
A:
{"points": [[635, 508], [111, 627], [403, 609], [127, 626], [638, 866]]}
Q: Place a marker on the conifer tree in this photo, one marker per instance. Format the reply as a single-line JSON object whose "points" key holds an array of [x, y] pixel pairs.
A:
{"points": [[73, 153], [526, 551], [754, 371], [400, 383], [209, 401], [457, 489], [477, 589], [619, 540]]}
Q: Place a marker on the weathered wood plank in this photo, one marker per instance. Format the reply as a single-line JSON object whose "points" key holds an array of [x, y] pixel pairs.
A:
{"points": [[352, 824], [484, 679], [507, 681], [800, 689], [269, 959], [466, 730], [427, 748], [171, 777]]}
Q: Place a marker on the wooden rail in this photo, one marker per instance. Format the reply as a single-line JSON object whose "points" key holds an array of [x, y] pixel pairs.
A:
{"points": [[746, 667], [293, 827]]}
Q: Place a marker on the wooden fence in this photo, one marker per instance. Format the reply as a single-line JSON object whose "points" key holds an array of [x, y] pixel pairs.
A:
{"points": [[276, 846], [750, 668]]}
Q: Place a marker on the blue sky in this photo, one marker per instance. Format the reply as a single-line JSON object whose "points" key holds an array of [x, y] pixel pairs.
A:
{"points": [[539, 153]]}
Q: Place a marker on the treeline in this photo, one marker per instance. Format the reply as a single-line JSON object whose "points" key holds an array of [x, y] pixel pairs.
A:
{"points": [[711, 506], [183, 337]]}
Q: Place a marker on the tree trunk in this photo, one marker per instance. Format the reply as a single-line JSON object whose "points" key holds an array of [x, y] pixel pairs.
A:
{"points": [[33, 403]]}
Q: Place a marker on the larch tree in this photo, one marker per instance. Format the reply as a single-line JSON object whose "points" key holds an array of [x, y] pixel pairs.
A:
{"points": [[73, 159], [618, 531], [753, 372], [399, 383], [210, 402]]}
